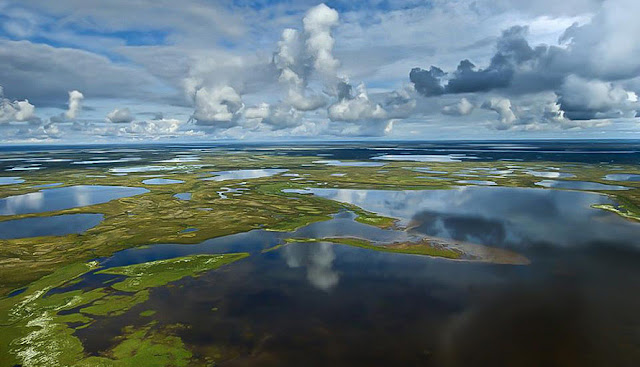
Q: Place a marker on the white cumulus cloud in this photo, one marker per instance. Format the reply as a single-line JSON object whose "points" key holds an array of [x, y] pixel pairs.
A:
{"points": [[120, 116]]}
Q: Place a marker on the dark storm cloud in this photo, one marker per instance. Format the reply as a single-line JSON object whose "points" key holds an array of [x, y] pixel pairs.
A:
{"points": [[513, 54], [428, 82], [584, 75], [583, 99]]}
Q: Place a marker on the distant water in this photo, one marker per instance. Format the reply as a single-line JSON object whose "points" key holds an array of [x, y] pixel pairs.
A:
{"points": [[58, 225], [622, 177], [244, 174], [579, 185], [183, 196], [64, 198], [161, 181], [10, 180]]}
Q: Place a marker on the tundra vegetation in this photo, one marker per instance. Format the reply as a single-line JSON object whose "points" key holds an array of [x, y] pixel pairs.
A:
{"points": [[38, 318]]}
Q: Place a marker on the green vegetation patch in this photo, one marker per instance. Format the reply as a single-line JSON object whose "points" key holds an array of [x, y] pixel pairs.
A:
{"points": [[413, 248], [161, 272], [114, 305], [34, 333], [620, 210], [147, 313], [144, 347]]}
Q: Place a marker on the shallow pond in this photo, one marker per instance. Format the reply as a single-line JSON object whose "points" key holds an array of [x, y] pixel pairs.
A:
{"points": [[477, 182], [424, 157], [550, 174], [338, 163], [58, 225], [10, 180], [138, 169], [427, 170], [161, 181], [622, 177], [64, 198], [244, 174], [183, 196], [579, 185]]}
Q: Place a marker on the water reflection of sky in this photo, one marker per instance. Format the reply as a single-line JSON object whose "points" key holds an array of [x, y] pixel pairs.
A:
{"points": [[338, 163], [64, 198], [244, 174], [317, 259], [58, 225], [498, 216], [10, 180], [622, 177], [550, 174], [161, 181], [347, 299], [183, 196], [579, 185], [424, 157]]}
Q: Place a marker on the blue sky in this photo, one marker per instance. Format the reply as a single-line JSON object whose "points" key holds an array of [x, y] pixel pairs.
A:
{"points": [[143, 70]]}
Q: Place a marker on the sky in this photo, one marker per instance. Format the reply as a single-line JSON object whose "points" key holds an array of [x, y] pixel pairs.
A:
{"points": [[88, 71]]}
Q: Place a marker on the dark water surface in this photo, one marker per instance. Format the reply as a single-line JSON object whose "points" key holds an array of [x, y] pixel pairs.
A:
{"points": [[319, 304]]}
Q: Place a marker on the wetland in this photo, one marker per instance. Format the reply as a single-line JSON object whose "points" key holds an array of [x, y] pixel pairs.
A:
{"points": [[245, 255]]}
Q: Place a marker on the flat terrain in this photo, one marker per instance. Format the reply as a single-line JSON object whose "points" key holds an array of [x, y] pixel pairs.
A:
{"points": [[37, 321]]}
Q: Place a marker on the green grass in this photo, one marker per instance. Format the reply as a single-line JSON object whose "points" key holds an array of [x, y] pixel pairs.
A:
{"points": [[147, 313], [414, 249], [144, 347], [115, 305], [161, 272], [620, 210], [33, 333]]}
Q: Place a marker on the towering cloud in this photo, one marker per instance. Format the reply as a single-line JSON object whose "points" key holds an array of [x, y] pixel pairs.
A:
{"points": [[300, 54], [75, 104], [355, 108], [318, 23], [503, 107], [291, 62], [217, 106]]}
